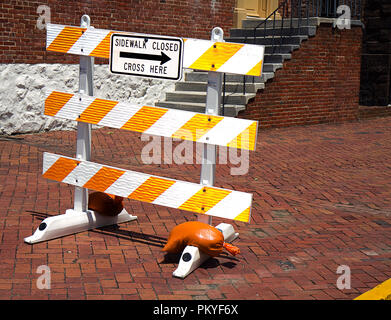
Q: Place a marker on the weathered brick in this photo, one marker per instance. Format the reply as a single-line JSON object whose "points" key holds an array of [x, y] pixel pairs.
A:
{"points": [[23, 42], [319, 84]]}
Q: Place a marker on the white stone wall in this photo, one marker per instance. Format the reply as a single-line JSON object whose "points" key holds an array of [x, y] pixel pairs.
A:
{"points": [[23, 86]]}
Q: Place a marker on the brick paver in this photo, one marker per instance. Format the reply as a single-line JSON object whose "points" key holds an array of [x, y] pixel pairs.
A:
{"points": [[322, 199]]}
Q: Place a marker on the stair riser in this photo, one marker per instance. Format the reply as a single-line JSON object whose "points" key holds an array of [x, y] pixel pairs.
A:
{"points": [[273, 59], [229, 111], [269, 68], [201, 87], [203, 77], [179, 97], [295, 40], [166, 104], [281, 49], [273, 32]]}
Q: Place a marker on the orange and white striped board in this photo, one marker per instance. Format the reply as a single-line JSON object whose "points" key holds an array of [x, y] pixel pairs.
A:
{"points": [[167, 192], [237, 58], [165, 122]]}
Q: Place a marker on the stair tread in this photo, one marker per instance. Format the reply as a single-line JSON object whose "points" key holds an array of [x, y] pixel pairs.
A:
{"points": [[272, 63], [267, 37], [206, 72], [277, 27], [229, 110], [230, 87], [232, 83], [197, 104], [203, 93], [258, 80], [201, 77]]}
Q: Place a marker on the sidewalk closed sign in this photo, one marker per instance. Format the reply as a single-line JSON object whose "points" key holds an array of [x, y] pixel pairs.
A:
{"points": [[147, 56]]}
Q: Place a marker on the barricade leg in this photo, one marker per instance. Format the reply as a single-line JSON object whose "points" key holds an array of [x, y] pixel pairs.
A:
{"points": [[213, 102], [74, 222], [79, 218], [83, 143], [192, 257]]}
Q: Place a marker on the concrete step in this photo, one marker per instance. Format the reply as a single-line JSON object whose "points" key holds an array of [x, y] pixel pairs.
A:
{"points": [[308, 30], [276, 57], [200, 97], [289, 40], [287, 48], [229, 87], [271, 67], [267, 75], [201, 76], [229, 109], [286, 23]]}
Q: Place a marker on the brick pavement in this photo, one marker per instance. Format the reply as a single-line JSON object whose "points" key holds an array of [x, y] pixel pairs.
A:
{"points": [[322, 198]]}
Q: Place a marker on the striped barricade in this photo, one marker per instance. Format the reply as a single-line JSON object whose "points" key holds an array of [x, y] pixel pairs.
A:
{"points": [[171, 123], [209, 128], [134, 185], [197, 198], [236, 58]]}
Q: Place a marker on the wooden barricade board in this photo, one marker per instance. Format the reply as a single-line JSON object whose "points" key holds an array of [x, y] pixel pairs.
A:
{"points": [[172, 123], [236, 58], [134, 185]]}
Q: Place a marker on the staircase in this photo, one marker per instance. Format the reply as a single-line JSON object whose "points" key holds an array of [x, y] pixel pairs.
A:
{"points": [[280, 36], [280, 40], [190, 94]]}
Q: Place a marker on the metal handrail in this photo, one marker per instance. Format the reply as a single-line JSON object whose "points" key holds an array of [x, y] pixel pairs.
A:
{"points": [[302, 10], [264, 22]]}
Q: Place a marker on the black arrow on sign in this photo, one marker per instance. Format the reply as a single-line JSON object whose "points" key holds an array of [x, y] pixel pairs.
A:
{"points": [[163, 58]]}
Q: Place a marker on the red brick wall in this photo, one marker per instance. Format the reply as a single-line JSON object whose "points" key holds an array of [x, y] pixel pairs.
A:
{"points": [[22, 42], [319, 84], [370, 112]]}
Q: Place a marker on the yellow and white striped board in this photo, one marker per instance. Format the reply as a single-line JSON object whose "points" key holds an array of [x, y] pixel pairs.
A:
{"points": [[237, 58], [167, 192], [228, 57], [165, 122]]}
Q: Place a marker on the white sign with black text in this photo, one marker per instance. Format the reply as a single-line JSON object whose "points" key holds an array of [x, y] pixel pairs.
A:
{"points": [[147, 56]]}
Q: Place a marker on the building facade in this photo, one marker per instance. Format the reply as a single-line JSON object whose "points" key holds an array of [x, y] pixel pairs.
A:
{"points": [[317, 68]]}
